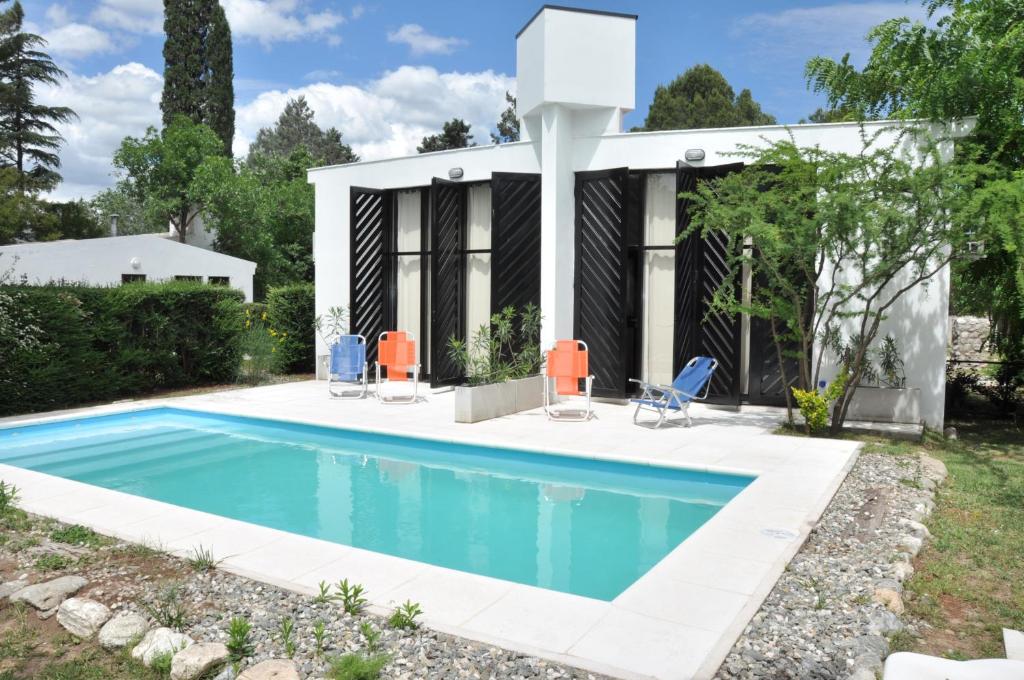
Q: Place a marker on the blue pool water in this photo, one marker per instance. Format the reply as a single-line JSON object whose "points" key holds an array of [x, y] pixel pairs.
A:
{"points": [[579, 526]]}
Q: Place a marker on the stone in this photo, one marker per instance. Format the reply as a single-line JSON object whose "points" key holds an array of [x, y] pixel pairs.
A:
{"points": [[227, 674], [82, 617], [933, 468], [49, 594], [197, 660], [10, 588], [274, 669], [910, 544], [862, 674], [122, 630], [916, 528], [890, 598], [884, 622], [950, 433], [902, 570], [158, 642]]}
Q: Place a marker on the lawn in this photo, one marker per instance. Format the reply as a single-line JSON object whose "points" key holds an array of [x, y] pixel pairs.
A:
{"points": [[969, 578]]}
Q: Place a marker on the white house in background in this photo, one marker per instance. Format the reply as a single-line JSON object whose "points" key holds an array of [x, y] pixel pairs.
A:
{"points": [[579, 218], [114, 260]]}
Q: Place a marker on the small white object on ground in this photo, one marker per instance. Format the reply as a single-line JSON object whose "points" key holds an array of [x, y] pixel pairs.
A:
{"points": [[158, 642], [274, 669], [910, 666], [82, 617]]}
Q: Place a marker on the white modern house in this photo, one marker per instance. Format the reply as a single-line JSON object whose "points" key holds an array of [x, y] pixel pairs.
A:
{"points": [[114, 260], [580, 218]]}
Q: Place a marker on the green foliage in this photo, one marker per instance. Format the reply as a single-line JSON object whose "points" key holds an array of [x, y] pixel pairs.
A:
{"points": [[199, 68], [159, 170], [23, 215], [72, 219], [351, 597], [404, 616], [290, 313], [161, 663], [967, 63], [508, 124], [30, 139], [702, 98], [371, 636], [133, 217], [76, 534], [814, 406], [262, 211], [287, 633], [324, 596], [332, 325], [8, 497], [98, 344], [202, 559], [319, 636], [805, 213], [239, 642], [500, 350], [52, 562], [295, 130], [258, 344], [357, 666], [167, 607], [454, 135]]}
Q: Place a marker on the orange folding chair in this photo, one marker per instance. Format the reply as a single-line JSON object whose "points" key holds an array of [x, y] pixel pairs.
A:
{"points": [[566, 367], [396, 353]]}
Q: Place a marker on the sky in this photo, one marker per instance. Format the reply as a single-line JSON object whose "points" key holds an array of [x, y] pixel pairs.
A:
{"points": [[388, 72]]}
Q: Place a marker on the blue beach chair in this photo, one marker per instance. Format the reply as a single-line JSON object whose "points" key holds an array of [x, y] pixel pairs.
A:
{"points": [[686, 388], [348, 368]]}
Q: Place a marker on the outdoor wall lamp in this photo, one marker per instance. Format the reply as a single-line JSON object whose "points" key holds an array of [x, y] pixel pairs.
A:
{"points": [[694, 154], [455, 173]]}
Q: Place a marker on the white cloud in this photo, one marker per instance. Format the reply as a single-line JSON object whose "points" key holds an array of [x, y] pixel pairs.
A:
{"points": [[390, 115], [358, 11], [75, 41], [322, 74], [382, 118], [270, 21], [123, 101], [421, 42], [828, 30], [135, 16]]}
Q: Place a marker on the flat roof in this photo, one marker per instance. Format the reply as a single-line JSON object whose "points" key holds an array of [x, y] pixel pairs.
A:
{"points": [[563, 8]]}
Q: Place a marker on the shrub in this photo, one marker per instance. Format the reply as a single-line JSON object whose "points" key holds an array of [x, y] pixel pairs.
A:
{"points": [[239, 643], [500, 350], [98, 344], [404, 616], [259, 345], [291, 313], [814, 405]]}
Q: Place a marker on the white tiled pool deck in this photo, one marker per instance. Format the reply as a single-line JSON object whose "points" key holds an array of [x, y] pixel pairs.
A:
{"points": [[676, 622]]}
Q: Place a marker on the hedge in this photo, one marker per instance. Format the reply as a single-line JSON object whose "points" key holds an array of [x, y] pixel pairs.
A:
{"points": [[98, 344], [290, 313]]}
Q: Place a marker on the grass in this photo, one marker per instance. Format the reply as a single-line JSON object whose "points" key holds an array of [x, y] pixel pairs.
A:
{"points": [[53, 562], [969, 579], [202, 559], [76, 534]]}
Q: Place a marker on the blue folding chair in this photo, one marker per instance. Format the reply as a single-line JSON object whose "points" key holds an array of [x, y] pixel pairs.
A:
{"points": [[348, 368], [686, 388]]}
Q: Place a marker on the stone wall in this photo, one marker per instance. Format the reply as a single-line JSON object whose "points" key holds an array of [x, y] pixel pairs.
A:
{"points": [[967, 336]]}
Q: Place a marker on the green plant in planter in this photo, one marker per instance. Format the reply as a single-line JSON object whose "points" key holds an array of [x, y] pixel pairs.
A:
{"points": [[501, 349], [814, 405], [332, 325], [890, 365]]}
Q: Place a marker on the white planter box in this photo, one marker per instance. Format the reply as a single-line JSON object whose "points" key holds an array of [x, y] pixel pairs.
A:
{"points": [[886, 405], [482, 402]]}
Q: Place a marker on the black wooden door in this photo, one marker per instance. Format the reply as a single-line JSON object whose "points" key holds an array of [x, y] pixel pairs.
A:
{"points": [[601, 309], [370, 303], [701, 267], [515, 240], [447, 277]]}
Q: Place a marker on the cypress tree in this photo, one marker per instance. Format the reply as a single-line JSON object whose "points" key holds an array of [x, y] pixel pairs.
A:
{"points": [[28, 135], [198, 67]]}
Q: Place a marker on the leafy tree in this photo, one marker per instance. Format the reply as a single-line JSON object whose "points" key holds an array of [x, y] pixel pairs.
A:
{"points": [[508, 124], [262, 211], [22, 214], [702, 98], [969, 62], [73, 219], [28, 135], [837, 240], [821, 115], [454, 135], [198, 67], [132, 214], [159, 170], [296, 128]]}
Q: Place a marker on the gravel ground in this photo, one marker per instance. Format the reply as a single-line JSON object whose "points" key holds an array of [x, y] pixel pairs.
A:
{"points": [[825, 618]]}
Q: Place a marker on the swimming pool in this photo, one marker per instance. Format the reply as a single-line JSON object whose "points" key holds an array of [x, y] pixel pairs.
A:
{"points": [[574, 525]]}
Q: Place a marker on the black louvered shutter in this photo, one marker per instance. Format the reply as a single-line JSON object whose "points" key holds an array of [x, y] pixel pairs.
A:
{"points": [[447, 277], [515, 240], [369, 305]]}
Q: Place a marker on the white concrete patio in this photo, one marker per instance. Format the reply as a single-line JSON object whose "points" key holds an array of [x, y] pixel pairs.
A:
{"points": [[678, 621]]}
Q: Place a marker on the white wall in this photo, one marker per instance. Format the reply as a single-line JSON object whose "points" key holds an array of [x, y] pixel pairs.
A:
{"points": [[102, 261]]}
